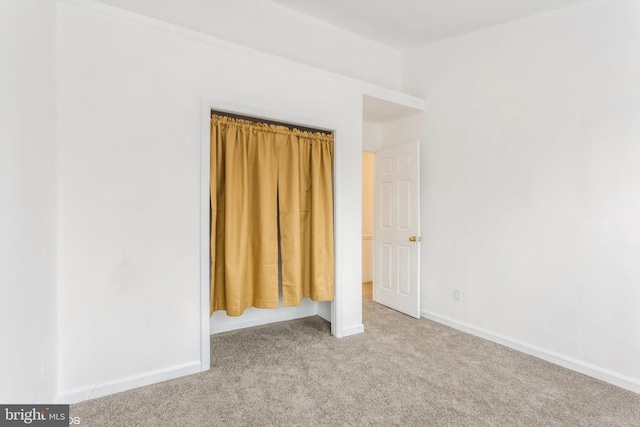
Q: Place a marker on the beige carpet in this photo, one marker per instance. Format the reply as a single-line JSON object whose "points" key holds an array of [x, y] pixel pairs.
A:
{"points": [[401, 371]]}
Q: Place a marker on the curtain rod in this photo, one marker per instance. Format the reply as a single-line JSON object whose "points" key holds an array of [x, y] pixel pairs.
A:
{"points": [[269, 122]]}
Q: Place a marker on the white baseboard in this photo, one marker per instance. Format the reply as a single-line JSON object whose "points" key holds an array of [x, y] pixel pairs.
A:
{"points": [[117, 386], [352, 331], [280, 317], [593, 371]]}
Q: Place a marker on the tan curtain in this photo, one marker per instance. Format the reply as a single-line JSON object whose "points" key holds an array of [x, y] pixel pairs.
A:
{"points": [[262, 174]]}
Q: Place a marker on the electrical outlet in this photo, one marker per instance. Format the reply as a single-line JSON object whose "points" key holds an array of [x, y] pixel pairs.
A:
{"points": [[457, 294]]}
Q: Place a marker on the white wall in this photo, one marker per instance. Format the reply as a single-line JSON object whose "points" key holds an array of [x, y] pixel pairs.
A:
{"points": [[27, 201], [371, 136], [269, 27], [531, 184], [402, 131], [129, 187]]}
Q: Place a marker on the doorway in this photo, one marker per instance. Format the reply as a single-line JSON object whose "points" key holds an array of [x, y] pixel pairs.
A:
{"points": [[391, 120], [331, 311]]}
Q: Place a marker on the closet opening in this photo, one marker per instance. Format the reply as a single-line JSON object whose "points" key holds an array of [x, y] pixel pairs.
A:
{"points": [[271, 221]]}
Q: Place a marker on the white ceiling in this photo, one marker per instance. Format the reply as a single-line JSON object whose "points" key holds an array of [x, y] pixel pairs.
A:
{"points": [[410, 23]]}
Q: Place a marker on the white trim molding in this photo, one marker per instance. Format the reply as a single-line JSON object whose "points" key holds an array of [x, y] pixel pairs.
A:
{"points": [[593, 371], [241, 324], [205, 269], [354, 330], [112, 387]]}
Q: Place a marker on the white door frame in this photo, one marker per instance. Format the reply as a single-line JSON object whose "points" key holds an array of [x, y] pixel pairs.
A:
{"points": [[280, 116]]}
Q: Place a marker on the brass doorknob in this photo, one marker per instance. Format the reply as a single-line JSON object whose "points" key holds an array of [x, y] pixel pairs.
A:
{"points": [[415, 239]]}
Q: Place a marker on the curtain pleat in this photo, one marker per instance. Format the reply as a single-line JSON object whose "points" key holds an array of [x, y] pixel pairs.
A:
{"points": [[261, 173], [306, 219]]}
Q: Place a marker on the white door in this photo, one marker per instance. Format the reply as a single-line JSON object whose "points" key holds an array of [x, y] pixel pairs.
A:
{"points": [[396, 279]]}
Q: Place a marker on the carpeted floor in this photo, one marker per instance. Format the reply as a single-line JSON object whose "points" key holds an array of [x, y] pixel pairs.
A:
{"points": [[367, 291], [401, 371]]}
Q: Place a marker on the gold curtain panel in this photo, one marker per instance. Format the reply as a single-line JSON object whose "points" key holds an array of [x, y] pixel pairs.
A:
{"points": [[271, 195]]}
